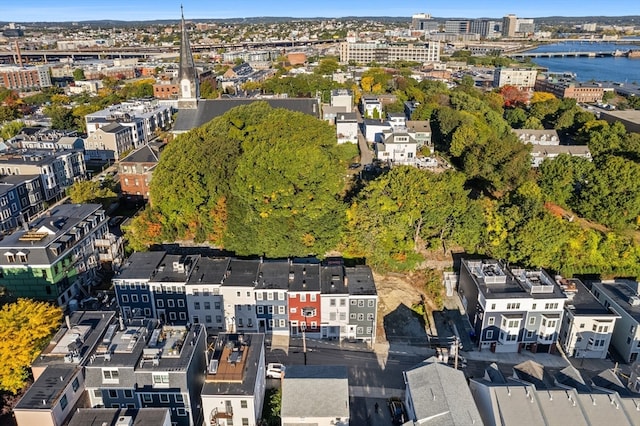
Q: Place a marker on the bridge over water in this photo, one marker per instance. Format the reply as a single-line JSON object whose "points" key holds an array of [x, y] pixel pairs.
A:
{"points": [[572, 54]]}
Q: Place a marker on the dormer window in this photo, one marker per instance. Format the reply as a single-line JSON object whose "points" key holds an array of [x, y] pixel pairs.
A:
{"points": [[22, 256], [11, 257]]}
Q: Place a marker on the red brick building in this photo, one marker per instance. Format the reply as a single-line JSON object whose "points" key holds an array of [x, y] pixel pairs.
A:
{"points": [[136, 169], [24, 78], [304, 299], [568, 89], [166, 90]]}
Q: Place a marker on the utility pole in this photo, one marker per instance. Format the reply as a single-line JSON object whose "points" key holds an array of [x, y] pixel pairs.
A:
{"points": [[304, 343], [455, 351]]}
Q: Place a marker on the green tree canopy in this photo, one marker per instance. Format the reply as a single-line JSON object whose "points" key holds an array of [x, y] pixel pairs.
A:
{"points": [[395, 212], [78, 74], [25, 328], [327, 66], [612, 195], [256, 180], [61, 117], [91, 192], [11, 129]]}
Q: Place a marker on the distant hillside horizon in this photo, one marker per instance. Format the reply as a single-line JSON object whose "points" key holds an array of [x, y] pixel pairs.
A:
{"points": [[607, 20]]}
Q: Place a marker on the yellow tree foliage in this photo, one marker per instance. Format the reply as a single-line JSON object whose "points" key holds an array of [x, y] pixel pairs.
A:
{"points": [[367, 83], [541, 97], [25, 328]]}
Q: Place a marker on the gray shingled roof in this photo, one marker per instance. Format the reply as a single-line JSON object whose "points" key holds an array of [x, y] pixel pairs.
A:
{"points": [[145, 154], [440, 395], [313, 391]]}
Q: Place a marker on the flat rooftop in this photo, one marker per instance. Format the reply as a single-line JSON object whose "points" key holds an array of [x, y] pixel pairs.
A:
{"points": [[140, 265], [496, 281], [44, 392], [117, 416], [273, 275], [622, 293], [233, 364], [87, 328], [304, 276], [332, 280], [360, 281], [174, 268], [242, 273], [209, 270], [141, 343], [582, 301]]}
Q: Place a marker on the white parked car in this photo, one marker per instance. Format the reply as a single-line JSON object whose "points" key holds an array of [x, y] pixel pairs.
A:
{"points": [[275, 371]]}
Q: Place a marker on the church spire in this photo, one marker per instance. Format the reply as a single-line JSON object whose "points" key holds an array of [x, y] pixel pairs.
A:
{"points": [[188, 74]]}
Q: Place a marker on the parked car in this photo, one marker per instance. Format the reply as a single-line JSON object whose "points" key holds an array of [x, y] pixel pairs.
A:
{"points": [[275, 370], [354, 166], [398, 413], [116, 220]]}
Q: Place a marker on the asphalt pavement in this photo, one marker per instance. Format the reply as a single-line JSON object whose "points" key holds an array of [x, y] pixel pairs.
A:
{"points": [[375, 374]]}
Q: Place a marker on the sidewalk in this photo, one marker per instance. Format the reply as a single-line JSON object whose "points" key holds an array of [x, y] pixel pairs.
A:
{"points": [[375, 392], [548, 360]]}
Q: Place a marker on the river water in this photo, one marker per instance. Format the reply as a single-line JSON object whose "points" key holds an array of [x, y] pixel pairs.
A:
{"points": [[618, 69]]}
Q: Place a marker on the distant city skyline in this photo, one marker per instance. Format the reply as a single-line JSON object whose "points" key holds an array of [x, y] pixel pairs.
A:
{"points": [[140, 10]]}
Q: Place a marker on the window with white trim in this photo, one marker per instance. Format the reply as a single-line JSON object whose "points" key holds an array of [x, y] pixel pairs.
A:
{"points": [[110, 376], [160, 380]]}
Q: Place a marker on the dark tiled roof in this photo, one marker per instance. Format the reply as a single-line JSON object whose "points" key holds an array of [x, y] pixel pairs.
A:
{"points": [[242, 273], [110, 416], [209, 271], [360, 281], [112, 128], [141, 265], [208, 109], [146, 154]]}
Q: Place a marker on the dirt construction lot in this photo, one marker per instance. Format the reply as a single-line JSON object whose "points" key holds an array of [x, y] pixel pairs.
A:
{"points": [[397, 293]]}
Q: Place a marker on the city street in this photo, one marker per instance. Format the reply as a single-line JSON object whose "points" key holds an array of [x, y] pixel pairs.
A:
{"points": [[373, 377]]}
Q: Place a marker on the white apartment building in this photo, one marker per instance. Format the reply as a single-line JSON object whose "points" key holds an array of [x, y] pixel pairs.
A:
{"points": [[238, 292], [588, 326], [334, 304], [522, 78], [623, 299], [397, 146], [383, 52]]}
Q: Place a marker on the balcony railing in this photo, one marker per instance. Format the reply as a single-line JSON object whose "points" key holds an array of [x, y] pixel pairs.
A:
{"points": [[217, 415]]}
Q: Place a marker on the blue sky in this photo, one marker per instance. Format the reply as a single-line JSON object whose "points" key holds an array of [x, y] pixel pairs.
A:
{"points": [[131, 10]]}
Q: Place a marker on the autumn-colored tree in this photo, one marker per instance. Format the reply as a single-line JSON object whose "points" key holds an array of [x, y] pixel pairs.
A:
{"points": [[144, 230], [60, 99], [513, 96], [25, 327], [541, 97], [366, 83]]}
